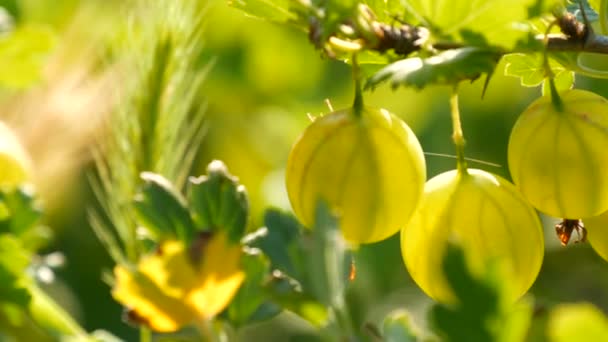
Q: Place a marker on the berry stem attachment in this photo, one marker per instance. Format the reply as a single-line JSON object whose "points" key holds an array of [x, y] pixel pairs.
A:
{"points": [[358, 102], [555, 99], [457, 135], [549, 75]]}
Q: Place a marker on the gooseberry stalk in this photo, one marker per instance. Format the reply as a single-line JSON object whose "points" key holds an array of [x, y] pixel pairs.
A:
{"points": [[358, 102], [457, 135], [555, 99]]}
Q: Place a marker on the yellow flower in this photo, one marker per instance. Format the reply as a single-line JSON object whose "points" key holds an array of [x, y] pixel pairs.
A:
{"points": [[168, 290]]}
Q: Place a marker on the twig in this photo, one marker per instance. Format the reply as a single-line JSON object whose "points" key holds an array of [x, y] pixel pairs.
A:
{"points": [[594, 43]]}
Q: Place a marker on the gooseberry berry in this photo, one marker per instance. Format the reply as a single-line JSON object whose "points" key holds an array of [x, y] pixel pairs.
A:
{"points": [[14, 161], [483, 214], [557, 156], [597, 233], [368, 167]]}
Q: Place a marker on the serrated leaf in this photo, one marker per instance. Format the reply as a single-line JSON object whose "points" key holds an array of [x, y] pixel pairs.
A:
{"points": [[448, 67], [563, 79], [329, 258], [273, 10], [528, 67], [23, 54], [480, 313], [577, 322], [251, 301], [276, 239], [477, 22], [22, 210], [161, 209], [477, 302], [219, 201]]}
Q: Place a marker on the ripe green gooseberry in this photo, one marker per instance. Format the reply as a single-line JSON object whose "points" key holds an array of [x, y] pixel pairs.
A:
{"points": [[368, 167], [15, 164], [486, 216], [597, 233], [557, 157]]}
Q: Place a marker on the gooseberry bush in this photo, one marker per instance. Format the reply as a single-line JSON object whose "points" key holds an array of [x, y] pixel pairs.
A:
{"points": [[190, 265]]}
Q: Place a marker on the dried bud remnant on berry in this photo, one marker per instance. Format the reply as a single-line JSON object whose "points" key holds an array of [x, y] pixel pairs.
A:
{"points": [[565, 228]]}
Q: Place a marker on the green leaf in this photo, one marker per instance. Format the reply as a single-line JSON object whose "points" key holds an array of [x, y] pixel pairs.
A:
{"points": [[273, 10], [448, 67], [480, 313], [288, 251], [517, 321], [477, 303], [51, 317], [564, 80], [528, 67], [14, 259], [398, 327], [23, 53], [329, 258], [530, 70], [277, 240], [477, 22], [161, 209], [22, 210], [251, 301], [583, 63], [219, 201], [577, 322]]}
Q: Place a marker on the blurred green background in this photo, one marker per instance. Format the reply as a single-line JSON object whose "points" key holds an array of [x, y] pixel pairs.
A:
{"points": [[265, 81]]}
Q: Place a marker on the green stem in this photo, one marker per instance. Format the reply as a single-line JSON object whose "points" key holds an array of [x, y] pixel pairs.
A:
{"points": [[457, 135], [343, 318], [549, 75], [50, 316], [145, 335], [358, 102], [555, 99]]}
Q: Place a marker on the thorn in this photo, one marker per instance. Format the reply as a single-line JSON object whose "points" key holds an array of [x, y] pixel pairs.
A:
{"points": [[329, 106]]}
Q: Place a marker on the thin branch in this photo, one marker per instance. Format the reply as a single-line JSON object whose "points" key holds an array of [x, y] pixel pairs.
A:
{"points": [[556, 42], [594, 43]]}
